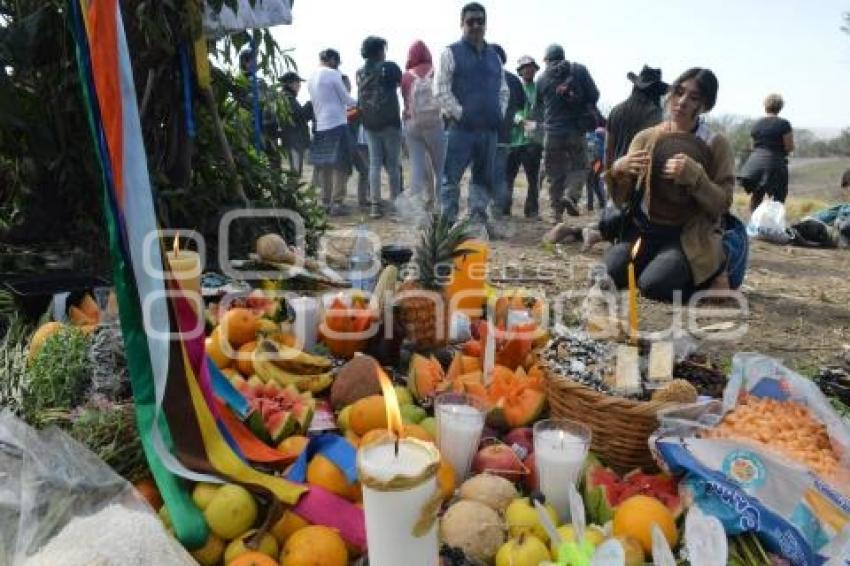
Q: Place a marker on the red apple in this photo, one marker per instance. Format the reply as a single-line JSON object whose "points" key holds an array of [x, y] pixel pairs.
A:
{"points": [[530, 481], [500, 460], [488, 435], [523, 437]]}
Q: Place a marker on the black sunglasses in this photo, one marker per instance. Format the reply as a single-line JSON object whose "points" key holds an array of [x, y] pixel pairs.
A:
{"points": [[472, 21]]}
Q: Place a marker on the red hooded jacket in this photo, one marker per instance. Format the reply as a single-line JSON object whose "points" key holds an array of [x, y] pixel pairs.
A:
{"points": [[418, 63]]}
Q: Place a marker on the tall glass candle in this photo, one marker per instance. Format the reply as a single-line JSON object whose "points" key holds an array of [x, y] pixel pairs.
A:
{"points": [[400, 501], [560, 449], [460, 420], [306, 324]]}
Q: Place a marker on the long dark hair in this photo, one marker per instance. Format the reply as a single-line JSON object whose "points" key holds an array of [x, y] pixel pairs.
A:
{"points": [[707, 85]]}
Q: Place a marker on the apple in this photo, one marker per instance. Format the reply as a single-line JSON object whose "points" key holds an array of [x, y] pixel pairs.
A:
{"points": [[523, 437], [499, 460], [487, 436], [524, 550]]}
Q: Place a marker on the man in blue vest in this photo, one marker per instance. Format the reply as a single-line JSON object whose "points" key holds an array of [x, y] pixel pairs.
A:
{"points": [[473, 94]]}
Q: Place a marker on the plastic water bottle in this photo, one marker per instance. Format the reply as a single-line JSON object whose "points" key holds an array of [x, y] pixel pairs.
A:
{"points": [[362, 258]]}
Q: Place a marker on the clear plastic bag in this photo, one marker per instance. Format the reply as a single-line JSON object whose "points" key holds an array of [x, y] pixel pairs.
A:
{"points": [[768, 222], [53, 490]]}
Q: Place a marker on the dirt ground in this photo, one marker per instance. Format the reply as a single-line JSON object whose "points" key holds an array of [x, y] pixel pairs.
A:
{"points": [[797, 300]]}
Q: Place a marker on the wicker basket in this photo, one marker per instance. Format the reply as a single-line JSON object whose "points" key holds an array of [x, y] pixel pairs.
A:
{"points": [[621, 427]]}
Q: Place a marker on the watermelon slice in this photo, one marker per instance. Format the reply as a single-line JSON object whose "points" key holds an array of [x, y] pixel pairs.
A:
{"points": [[278, 412], [604, 490]]}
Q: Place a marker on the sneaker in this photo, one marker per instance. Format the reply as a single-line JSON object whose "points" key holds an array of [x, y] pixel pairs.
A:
{"points": [[375, 211], [571, 207], [590, 238], [533, 216]]}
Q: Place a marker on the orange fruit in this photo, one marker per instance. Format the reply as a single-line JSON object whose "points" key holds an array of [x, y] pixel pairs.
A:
{"points": [[239, 325], [147, 488], [40, 336], [325, 474], [410, 430], [314, 545], [286, 526], [253, 559], [416, 431], [375, 435], [243, 358], [355, 440], [216, 348], [368, 414], [635, 516], [446, 479], [294, 445]]}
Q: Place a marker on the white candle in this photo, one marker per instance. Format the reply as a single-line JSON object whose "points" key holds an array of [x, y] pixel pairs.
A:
{"points": [[400, 502], [558, 457], [306, 321], [458, 433], [489, 353]]}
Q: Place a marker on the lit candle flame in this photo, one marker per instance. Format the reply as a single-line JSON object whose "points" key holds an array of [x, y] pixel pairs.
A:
{"points": [[635, 249], [394, 422], [176, 246], [633, 306]]}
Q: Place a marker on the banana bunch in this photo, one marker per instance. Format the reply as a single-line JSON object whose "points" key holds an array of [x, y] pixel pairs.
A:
{"points": [[287, 366]]}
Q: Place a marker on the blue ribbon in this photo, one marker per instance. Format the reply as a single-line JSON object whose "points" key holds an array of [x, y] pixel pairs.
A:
{"points": [[186, 76], [255, 91], [333, 447], [225, 391]]}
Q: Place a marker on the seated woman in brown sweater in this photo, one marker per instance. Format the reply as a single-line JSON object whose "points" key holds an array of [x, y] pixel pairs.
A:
{"points": [[677, 180]]}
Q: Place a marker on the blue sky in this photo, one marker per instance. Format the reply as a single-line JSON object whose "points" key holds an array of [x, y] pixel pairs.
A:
{"points": [[755, 47]]}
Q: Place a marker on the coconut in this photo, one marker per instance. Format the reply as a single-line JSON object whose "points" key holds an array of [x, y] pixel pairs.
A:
{"points": [[272, 247], [357, 379], [474, 528], [493, 491]]}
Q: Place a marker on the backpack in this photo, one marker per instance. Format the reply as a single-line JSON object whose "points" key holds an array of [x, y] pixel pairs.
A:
{"points": [[378, 104], [424, 108], [589, 117]]}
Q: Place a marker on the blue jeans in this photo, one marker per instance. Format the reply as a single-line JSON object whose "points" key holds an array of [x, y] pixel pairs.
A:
{"points": [[384, 151], [500, 180], [427, 149], [465, 147]]}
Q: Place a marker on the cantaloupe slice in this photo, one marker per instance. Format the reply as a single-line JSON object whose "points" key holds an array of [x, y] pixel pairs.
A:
{"points": [[470, 363], [456, 367], [424, 375], [89, 307]]}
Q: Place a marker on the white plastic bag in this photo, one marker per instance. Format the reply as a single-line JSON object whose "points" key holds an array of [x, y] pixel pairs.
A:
{"points": [[61, 504], [768, 223], [263, 14]]}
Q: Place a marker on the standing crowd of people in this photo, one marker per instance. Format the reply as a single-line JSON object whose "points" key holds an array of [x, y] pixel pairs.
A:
{"points": [[661, 179]]}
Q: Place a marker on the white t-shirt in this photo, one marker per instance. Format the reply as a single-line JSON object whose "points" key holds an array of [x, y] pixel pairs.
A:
{"points": [[330, 100]]}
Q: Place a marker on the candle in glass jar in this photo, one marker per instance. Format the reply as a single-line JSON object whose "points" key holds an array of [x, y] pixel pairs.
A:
{"points": [[306, 321], [400, 501], [459, 427], [559, 457]]}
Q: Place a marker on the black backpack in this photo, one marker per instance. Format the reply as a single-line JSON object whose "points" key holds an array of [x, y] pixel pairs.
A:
{"points": [[377, 101]]}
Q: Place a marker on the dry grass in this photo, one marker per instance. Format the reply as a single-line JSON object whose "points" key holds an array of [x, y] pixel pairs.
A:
{"points": [[795, 207]]}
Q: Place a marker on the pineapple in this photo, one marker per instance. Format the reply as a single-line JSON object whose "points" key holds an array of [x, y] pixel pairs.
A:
{"points": [[438, 247]]}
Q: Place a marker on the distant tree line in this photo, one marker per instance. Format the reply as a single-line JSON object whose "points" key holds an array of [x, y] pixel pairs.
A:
{"points": [[737, 130]]}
